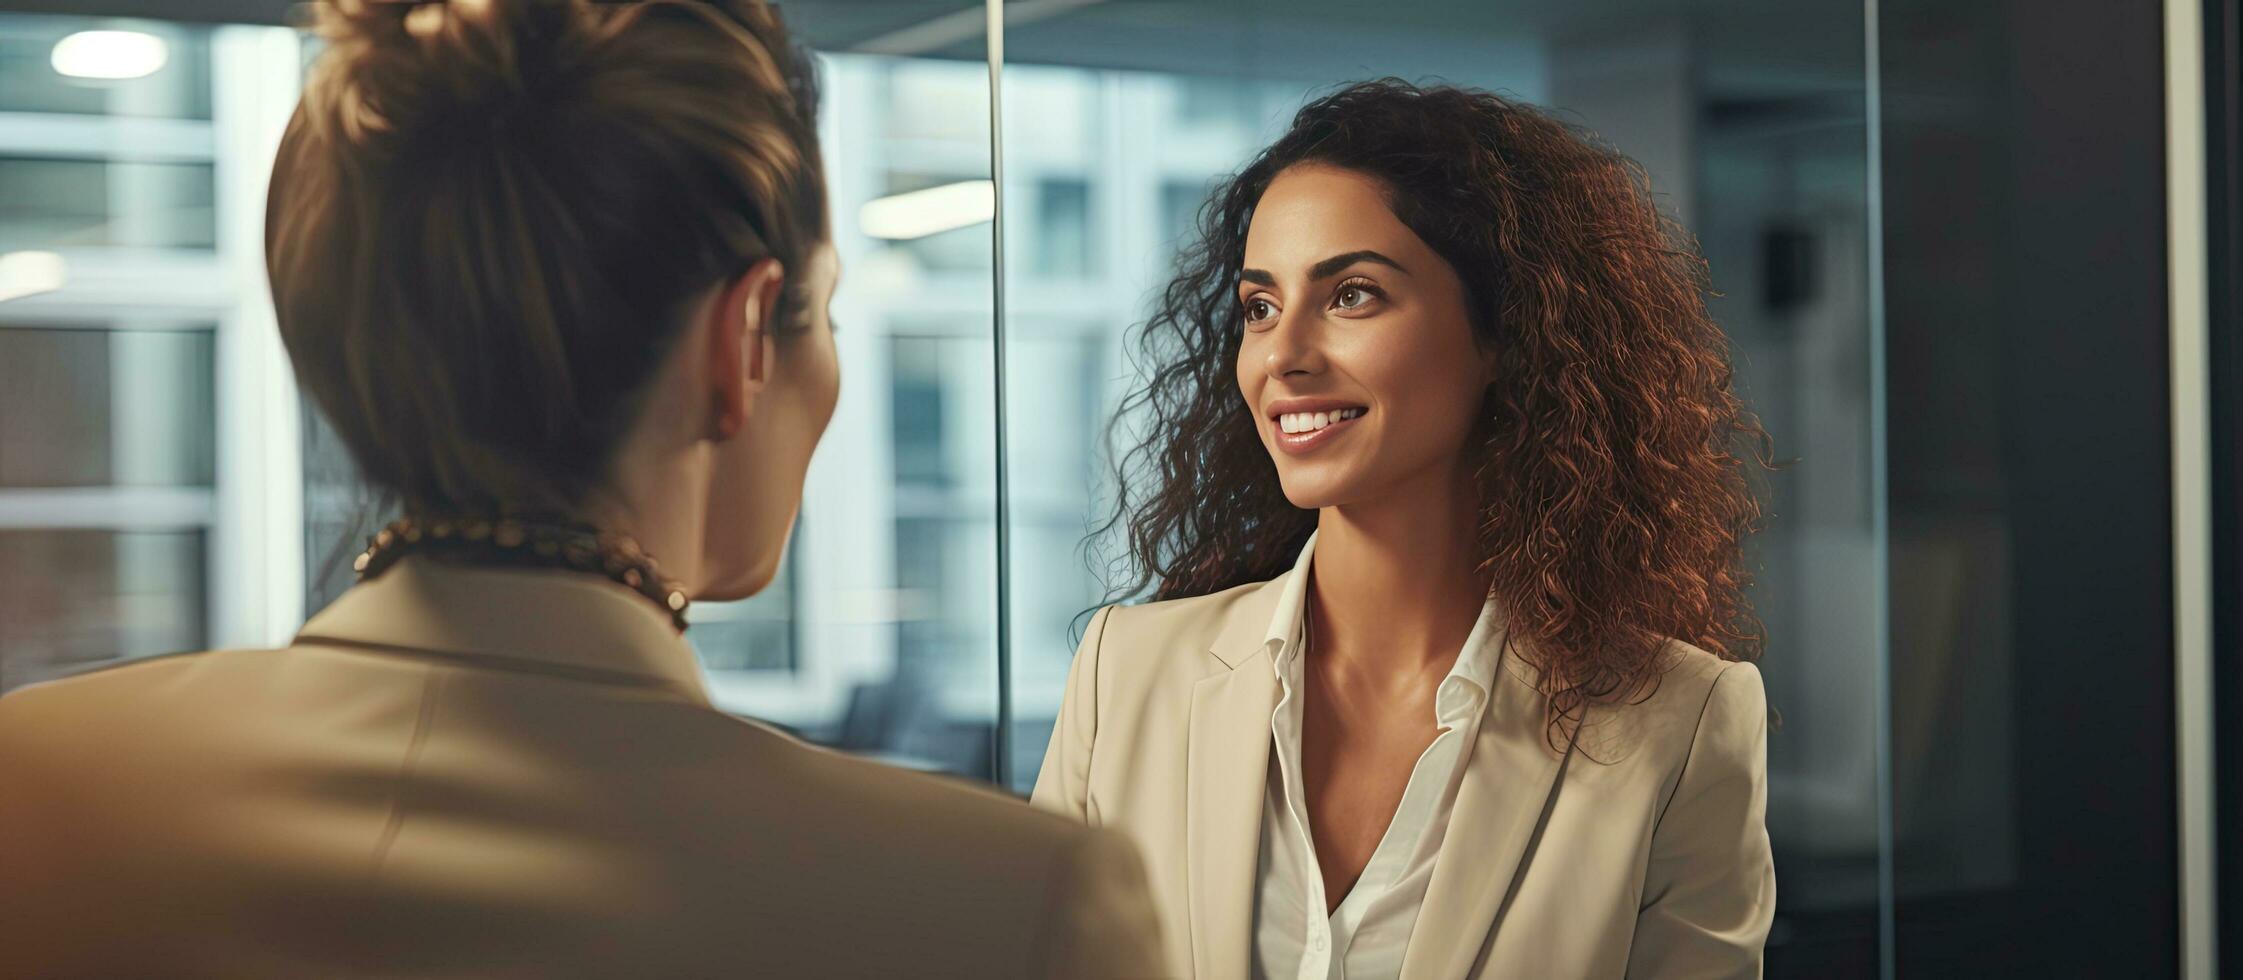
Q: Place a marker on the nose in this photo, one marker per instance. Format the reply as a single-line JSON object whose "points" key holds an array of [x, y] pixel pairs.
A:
{"points": [[1293, 349]]}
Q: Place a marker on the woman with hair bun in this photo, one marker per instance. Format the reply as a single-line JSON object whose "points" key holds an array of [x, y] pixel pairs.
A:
{"points": [[557, 273], [1440, 502]]}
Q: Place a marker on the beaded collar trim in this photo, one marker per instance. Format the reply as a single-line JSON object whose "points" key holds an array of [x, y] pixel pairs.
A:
{"points": [[518, 543]]}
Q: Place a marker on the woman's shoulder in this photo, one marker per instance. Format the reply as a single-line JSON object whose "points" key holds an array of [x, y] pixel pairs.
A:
{"points": [[1696, 698], [1701, 678], [1697, 689], [1149, 633], [104, 685]]}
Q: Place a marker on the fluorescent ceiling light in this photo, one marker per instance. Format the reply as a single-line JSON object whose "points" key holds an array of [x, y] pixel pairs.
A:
{"points": [[110, 54], [937, 209], [30, 273]]}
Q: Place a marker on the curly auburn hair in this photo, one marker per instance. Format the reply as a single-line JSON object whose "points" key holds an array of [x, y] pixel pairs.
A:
{"points": [[1612, 452]]}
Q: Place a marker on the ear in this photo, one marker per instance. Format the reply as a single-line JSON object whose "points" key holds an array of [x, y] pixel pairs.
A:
{"points": [[741, 347], [1491, 361]]}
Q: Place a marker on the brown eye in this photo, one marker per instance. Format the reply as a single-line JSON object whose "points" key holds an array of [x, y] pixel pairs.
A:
{"points": [[1352, 297], [1258, 310]]}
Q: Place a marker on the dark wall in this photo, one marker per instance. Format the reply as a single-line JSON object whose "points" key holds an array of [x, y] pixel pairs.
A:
{"points": [[2029, 443], [2223, 70]]}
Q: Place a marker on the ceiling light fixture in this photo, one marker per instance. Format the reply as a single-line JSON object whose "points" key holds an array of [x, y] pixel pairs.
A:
{"points": [[110, 55], [31, 273], [917, 214]]}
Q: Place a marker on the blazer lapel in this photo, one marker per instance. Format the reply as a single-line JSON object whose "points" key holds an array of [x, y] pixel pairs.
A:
{"points": [[1225, 775], [1509, 783]]}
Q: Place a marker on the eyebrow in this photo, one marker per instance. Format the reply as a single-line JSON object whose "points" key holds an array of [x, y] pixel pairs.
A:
{"points": [[1325, 269]]}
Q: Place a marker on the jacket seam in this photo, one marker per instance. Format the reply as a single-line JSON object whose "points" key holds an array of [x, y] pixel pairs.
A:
{"points": [[1097, 698], [1690, 756], [495, 663], [432, 689]]}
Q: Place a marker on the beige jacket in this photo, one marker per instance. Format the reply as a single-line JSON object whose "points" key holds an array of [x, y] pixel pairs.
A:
{"points": [[459, 773], [1639, 851]]}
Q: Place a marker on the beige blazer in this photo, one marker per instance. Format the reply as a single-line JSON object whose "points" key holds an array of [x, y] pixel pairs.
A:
{"points": [[458, 773], [1639, 851]]}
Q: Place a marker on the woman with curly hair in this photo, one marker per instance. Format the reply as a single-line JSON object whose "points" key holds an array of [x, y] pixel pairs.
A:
{"points": [[1441, 502]]}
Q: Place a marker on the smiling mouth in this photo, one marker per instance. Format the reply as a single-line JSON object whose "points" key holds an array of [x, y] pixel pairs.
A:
{"points": [[1303, 423], [1300, 432]]}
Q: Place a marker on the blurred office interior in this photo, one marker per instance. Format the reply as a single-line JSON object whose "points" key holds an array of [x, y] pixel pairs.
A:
{"points": [[1940, 237]]}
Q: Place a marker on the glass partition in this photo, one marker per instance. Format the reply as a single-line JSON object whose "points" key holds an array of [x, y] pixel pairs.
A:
{"points": [[2029, 420]]}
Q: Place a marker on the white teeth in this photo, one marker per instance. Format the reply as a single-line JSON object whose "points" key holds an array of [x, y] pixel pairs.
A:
{"points": [[1298, 422]]}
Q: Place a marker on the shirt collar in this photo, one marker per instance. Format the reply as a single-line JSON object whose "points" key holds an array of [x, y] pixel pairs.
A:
{"points": [[1283, 638], [557, 622], [1461, 693]]}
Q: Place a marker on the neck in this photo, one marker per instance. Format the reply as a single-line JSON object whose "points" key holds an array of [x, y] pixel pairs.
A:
{"points": [[1396, 583], [660, 499]]}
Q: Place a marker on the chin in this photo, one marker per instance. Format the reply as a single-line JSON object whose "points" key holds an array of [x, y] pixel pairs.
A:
{"points": [[1311, 495], [743, 554], [734, 583]]}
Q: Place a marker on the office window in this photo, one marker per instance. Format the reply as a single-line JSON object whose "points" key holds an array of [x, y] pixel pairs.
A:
{"points": [[107, 405], [181, 90], [63, 203], [1064, 240], [72, 599], [132, 351]]}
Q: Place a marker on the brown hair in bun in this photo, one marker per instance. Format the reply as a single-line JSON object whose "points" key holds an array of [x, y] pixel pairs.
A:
{"points": [[488, 217]]}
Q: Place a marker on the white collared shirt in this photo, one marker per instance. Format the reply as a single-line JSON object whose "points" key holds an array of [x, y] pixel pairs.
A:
{"points": [[1364, 937]]}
